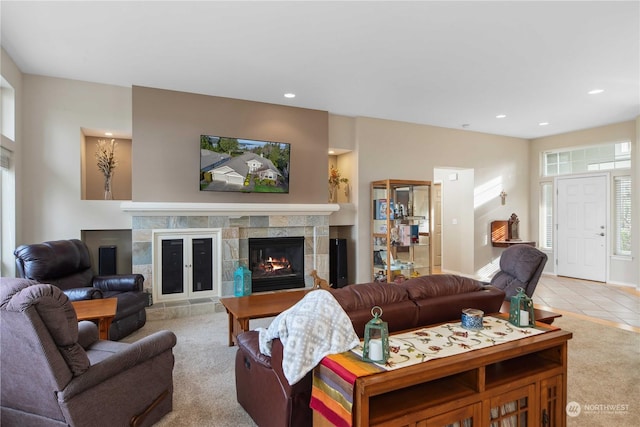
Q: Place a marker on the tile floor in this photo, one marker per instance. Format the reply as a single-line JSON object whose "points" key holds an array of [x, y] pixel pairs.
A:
{"points": [[619, 304]]}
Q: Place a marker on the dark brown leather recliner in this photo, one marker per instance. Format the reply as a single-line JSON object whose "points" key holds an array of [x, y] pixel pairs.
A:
{"points": [[56, 372], [520, 267], [67, 265], [264, 392]]}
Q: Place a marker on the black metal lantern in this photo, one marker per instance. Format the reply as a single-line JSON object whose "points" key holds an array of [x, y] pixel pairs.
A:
{"points": [[376, 338], [521, 310]]}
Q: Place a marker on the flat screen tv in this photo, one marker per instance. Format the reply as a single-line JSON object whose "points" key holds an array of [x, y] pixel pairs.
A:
{"points": [[244, 165]]}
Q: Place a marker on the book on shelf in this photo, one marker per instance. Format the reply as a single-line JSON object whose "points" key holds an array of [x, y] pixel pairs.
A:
{"points": [[380, 209]]}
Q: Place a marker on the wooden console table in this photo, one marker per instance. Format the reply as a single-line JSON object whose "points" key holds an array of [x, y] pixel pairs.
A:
{"points": [[518, 382]]}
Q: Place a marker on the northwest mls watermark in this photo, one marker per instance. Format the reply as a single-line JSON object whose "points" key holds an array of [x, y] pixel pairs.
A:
{"points": [[575, 409]]}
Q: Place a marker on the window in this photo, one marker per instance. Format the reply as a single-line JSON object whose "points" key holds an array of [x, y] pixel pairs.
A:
{"points": [[8, 103], [622, 226], [588, 159], [7, 213], [546, 215]]}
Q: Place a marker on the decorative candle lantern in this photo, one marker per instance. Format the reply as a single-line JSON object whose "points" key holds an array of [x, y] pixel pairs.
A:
{"points": [[376, 338], [521, 311], [242, 281]]}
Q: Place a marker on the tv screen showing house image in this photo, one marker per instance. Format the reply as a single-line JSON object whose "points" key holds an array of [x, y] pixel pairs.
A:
{"points": [[244, 165]]}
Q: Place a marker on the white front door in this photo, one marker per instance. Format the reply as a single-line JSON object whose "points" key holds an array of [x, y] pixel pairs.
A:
{"points": [[581, 227]]}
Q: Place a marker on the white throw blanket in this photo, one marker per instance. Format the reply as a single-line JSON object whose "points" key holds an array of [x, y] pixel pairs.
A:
{"points": [[313, 328]]}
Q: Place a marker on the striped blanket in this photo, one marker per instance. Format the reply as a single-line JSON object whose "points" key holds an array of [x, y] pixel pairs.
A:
{"points": [[333, 380]]}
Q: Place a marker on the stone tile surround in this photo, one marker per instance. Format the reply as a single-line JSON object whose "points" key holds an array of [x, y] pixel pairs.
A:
{"points": [[238, 223]]}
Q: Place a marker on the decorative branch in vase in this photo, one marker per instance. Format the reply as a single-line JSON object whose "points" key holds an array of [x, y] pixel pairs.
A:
{"points": [[334, 184], [106, 161]]}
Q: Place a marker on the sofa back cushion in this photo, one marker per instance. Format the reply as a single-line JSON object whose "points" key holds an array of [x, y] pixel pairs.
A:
{"points": [[63, 263], [439, 285], [357, 300], [366, 295], [449, 307]]}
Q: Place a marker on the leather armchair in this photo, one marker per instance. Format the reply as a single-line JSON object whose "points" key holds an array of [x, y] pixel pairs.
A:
{"points": [[67, 265], [56, 372], [520, 267]]}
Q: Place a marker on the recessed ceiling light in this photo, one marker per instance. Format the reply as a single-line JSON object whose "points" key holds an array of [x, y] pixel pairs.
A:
{"points": [[595, 91], [289, 95], [108, 134], [543, 123], [501, 116], [331, 152]]}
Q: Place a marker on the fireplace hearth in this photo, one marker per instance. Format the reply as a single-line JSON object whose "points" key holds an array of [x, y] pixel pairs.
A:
{"points": [[276, 263]]}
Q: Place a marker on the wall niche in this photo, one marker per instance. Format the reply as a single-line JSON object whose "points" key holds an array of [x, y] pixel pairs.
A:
{"points": [[93, 179]]}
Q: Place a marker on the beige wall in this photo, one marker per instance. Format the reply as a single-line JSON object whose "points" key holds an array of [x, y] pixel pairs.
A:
{"points": [[55, 110], [399, 150], [166, 145], [49, 204], [621, 270]]}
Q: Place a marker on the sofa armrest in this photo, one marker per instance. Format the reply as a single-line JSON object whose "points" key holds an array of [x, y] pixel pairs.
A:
{"points": [[135, 354], [81, 294], [119, 282], [302, 386]]}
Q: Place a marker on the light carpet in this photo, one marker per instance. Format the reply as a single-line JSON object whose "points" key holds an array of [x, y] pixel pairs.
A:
{"points": [[603, 377]]}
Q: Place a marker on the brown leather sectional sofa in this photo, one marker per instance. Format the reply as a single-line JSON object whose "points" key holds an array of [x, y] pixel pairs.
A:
{"points": [[261, 386]]}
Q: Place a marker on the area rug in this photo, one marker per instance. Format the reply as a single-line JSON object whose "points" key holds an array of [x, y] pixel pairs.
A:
{"points": [[603, 381]]}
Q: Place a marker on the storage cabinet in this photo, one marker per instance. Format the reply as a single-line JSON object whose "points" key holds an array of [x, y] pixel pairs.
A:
{"points": [[519, 383], [188, 264], [400, 229]]}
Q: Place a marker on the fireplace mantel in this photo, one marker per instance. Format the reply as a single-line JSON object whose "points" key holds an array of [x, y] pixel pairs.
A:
{"points": [[227, 209]]}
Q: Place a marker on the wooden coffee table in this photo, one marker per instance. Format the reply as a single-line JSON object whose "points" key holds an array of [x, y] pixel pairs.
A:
{"points": [[257, 306], [542, 316], [103, 310]]}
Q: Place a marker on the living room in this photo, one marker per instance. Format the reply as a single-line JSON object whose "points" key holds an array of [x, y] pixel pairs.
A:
{"points": [[164, 124]]}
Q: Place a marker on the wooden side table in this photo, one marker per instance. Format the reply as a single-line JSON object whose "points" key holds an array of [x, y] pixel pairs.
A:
{"points": [[101, 310]]}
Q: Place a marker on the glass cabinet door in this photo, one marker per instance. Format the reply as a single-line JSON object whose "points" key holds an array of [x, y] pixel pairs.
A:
{"points": [[172, 266], [202, 269]]}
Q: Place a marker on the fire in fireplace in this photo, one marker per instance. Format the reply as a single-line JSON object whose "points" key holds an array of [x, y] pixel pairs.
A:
{"points": [[276, 263]]}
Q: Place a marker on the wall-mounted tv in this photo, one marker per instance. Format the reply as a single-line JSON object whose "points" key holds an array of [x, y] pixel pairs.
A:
{"points": [[244, 165]]}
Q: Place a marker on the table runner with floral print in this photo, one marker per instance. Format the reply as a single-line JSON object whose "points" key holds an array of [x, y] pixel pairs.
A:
{"points": [[448, 339]]}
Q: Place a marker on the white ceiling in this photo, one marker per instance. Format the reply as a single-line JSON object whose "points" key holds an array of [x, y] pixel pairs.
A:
{"points": [[438, 63]]}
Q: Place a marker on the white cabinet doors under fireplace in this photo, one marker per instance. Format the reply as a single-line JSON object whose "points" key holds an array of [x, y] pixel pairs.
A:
{"points": [[187, 263]]}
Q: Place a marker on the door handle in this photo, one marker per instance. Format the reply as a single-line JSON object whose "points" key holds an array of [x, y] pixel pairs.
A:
{"points": [[599, 234]]}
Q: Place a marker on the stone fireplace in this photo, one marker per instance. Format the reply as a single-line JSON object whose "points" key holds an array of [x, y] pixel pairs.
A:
{"points": [[238, 223]]}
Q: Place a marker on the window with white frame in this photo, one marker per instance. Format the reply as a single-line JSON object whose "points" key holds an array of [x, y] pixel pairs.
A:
{"points": [[546, 215], [622, 215], [616, 155]]}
